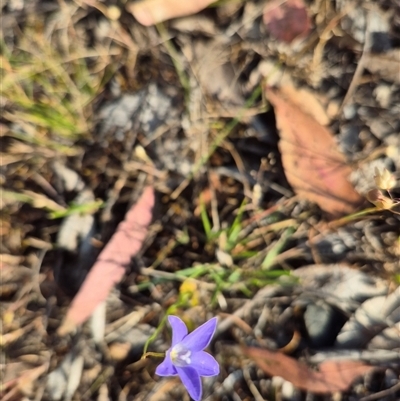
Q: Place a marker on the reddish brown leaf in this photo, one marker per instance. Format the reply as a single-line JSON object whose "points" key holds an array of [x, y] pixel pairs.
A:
{"points": [[313, 165], [150, 12], [110, 265], [331, 376], [286, 20]]}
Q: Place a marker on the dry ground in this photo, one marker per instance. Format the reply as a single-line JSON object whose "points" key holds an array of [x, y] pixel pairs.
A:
{"points": [[96, 107]]}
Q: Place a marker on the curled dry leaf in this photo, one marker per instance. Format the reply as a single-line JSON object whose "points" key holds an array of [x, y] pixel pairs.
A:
{"points": [[110, 265], [331, 375], [287, 20], [381, 201], [150, 12], [313, 165]]}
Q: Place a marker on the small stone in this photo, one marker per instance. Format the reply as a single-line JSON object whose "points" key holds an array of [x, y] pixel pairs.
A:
{"points": [[323, 323], [15, 5], [381, 42], [393, 150], [289, 392], [380, 129], [379, 28], [332, 109], [231, 381], [277, 382], [349, 138], [383, 95], [364, 112], [119, 351], [113, 13], [390, 378], [349, 111], [354, 22]]}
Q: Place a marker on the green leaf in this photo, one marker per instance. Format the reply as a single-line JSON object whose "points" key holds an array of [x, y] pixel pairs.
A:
{"points": [[277, 248]]}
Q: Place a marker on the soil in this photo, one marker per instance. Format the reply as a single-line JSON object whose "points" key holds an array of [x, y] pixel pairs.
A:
{"points": [[96, 108]]}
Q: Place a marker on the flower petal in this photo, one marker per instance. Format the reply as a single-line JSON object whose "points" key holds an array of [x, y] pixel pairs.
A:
{"points": [[199, 339], [179, 329], [166, 368], [191, 380], [204, 363]]}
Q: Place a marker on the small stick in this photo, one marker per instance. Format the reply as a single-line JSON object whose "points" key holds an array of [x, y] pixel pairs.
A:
{"points": [[360, 68]]}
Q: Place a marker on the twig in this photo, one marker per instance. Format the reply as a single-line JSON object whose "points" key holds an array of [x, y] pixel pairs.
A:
{"points": [[381, 394], [252, 387], [360, 68]]}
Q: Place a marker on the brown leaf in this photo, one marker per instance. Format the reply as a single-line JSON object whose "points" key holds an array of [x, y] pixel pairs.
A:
{"points": [[331, 376], [313, 165], [150, 12], [306, 99], [110, 265], [287, 20]]}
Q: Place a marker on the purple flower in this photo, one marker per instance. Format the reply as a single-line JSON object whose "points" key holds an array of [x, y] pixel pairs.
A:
{"points": [[186, 357]]}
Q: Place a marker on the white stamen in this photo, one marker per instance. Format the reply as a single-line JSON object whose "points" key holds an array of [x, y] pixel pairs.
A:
{"points": [[180, 356]]}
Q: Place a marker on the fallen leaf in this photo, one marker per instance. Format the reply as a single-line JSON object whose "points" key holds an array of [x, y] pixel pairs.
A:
{"points": [[150, 12], [331, 375], [287, 20], [110, 265], [306, 99], [313, 165]]}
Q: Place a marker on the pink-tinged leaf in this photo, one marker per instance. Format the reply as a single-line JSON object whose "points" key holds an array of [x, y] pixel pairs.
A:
{"points": [[287, 20], [331, 376], [150, 12], [110, 266], [314, 167]]}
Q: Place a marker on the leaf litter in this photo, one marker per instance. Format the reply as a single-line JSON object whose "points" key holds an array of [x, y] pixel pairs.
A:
{"points": [[151, 108], [331, 376]]}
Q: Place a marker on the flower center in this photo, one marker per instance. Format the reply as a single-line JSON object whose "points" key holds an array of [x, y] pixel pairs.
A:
{"points": [[180, 356]]}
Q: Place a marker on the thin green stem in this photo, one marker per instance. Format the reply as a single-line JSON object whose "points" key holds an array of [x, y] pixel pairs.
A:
{"points": [[155, 354], [173, 53]]}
